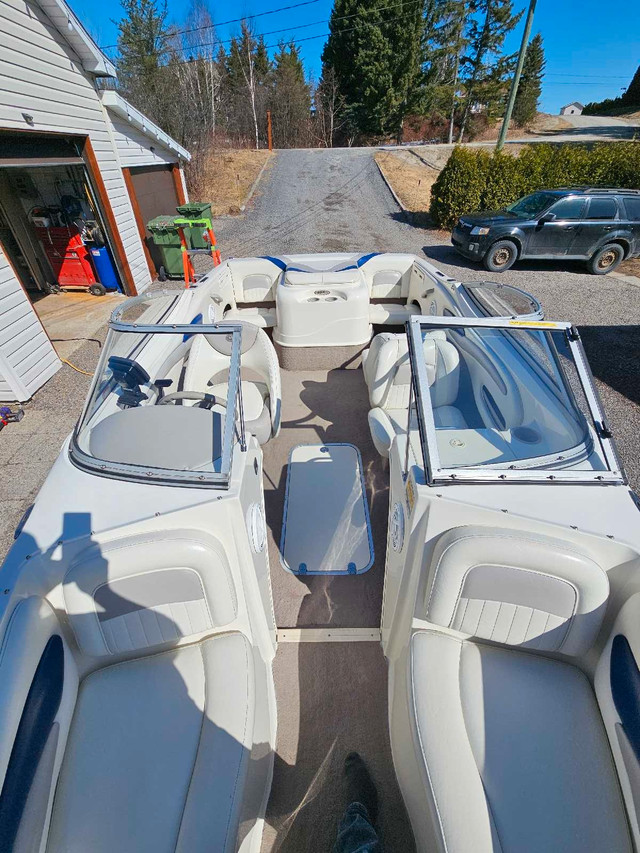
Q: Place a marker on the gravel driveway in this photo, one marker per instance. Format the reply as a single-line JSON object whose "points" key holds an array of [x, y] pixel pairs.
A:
{"points": [[335, 200]]}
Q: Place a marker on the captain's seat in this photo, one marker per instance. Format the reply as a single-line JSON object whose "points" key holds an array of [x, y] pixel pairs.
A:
{"points": [[208, 371], [387, 373], [497, 734]]}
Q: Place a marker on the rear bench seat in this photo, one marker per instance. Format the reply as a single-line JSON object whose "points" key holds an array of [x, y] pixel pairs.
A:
{"points": [[498, 738], [159, 737]]}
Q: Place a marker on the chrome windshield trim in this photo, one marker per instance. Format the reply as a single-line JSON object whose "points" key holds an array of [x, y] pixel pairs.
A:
{"points": [[436, 473]]}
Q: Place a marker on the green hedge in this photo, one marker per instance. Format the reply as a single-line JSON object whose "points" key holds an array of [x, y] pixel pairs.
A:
{"points": [[475, 180]]}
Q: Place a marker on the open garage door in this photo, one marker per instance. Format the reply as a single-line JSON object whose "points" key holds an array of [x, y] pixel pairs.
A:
{"points": [[154, 192]]}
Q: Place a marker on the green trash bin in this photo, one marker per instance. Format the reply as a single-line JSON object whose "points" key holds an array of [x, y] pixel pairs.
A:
{"points": [[196, 210], [167, 239]]}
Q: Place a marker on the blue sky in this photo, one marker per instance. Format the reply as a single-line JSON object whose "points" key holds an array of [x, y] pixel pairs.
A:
{"points": [[589, 57]]}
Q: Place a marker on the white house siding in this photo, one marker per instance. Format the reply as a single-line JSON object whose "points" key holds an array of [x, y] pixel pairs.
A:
{"points": [[134, 147], [27, 358], [41, 76]]}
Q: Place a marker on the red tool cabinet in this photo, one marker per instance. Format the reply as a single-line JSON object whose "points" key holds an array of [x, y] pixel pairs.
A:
{"points": [[68, 256]]}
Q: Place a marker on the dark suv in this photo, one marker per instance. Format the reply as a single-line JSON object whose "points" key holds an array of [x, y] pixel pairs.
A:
{"points": [[601, 226]]}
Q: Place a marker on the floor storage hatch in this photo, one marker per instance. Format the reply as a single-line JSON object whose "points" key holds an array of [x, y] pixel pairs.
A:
{"points": [[326, 528]]}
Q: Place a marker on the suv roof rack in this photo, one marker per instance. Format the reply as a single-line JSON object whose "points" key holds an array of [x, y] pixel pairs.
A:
{"points": [[603, 190]]}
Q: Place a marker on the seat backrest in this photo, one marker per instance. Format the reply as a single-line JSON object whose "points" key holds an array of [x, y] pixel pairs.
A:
{"points": [[210, 355], [388, 372], [516, 588], [38, 689], [137, 594], [254, 279]]}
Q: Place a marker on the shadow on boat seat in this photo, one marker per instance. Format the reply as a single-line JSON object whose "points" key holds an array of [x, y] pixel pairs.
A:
{"points": [[208, 369], [127, 715], [387, 372], [497, 731]]}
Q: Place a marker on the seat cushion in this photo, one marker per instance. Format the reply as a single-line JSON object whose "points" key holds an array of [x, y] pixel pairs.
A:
{"points": [[253, 396], [514, 751], [158, 753]]}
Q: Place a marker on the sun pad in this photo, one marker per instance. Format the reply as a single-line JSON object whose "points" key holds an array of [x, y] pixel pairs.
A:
{"points": [[326, 528]]}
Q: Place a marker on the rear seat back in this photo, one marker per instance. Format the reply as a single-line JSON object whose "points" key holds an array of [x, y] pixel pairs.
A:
{"points": [[519, 589], [144, 593]]}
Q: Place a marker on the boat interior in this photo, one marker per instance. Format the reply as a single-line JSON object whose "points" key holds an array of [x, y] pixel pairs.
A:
{"points": [[317, 504]]}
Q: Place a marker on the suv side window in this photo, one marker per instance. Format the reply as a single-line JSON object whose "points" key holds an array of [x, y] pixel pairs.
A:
{"points": [[602, 208], [632, 206], [568, 208]]}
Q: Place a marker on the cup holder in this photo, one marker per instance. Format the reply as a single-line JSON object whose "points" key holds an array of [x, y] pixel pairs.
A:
{"points": [[526, 434], [331, 299], [313, 299]]}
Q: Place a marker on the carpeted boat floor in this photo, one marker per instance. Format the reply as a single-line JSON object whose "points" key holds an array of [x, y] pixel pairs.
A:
{"points": [[320, 406], [332, 697], [331, 700]]}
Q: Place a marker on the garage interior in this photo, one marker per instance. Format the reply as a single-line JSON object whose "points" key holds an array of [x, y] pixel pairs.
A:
{"points": [[57, 237]]}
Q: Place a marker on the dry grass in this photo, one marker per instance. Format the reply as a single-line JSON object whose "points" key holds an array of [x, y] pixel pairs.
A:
{"points": [[630, 267], [229, 175], [410, 177]]}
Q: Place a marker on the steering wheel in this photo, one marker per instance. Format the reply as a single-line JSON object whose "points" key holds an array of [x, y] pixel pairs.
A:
{"points": [[208, 400]]}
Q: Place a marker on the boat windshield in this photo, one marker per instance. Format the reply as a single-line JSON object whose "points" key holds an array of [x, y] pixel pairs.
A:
{"points": [[495, 299], [507, 400], [165, 402], [532, 205]]}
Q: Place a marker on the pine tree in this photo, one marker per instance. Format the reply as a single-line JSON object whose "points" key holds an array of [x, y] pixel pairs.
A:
{"points": [[526, 103], [143, 48], [491, 21], [444, 43], [290, 99], [632, 95], [375, 54]]}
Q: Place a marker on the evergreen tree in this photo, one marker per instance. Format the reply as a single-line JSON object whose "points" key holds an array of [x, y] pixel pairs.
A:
{"points": [[484, 67], [143, 48], [526, 103], [444, 43], [375, 55], [632, 96], [290, 99]]}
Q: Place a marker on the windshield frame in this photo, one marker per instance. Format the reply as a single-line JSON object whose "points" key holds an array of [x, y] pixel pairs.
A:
{"points": [[234, 413], [436, 473]]}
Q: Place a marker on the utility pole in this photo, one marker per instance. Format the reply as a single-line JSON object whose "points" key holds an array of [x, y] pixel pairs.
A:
{"points": [[516, 77], [269, 139]]}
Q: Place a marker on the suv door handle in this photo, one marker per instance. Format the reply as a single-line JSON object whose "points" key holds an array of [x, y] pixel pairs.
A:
{"points": [[570, 227], [608, 227]]}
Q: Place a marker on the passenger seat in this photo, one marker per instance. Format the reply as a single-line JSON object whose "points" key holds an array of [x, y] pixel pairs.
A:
{"points": [[387, 372], [498, 739]]}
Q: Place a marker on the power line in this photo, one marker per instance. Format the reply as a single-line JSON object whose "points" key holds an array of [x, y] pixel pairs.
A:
{"points": [[233, 21], [196, 47], [283, 30]]}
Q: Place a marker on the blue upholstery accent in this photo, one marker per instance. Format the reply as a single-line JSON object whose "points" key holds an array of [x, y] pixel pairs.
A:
{"points": [[362, 260], [625, 688], [277, 261], [196, 319], [38, 716]]}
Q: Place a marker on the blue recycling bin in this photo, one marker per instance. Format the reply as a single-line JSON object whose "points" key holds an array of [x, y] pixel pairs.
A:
{"points": [[104, 268]]}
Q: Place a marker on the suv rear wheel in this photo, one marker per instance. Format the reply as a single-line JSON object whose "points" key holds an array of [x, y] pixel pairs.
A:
{"points": [[606, 259], [501, 256]]}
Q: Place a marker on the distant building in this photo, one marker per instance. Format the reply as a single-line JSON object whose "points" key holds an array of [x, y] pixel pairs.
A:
{"points": [[573, 109]]}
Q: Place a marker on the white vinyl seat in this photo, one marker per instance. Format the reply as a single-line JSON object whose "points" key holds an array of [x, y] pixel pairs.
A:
{"points": [[158, 753], [501, 747], [387, 373], [208, 367]]}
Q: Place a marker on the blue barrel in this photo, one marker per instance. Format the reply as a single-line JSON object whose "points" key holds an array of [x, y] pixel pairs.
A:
{"points": [[106, 273]]}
